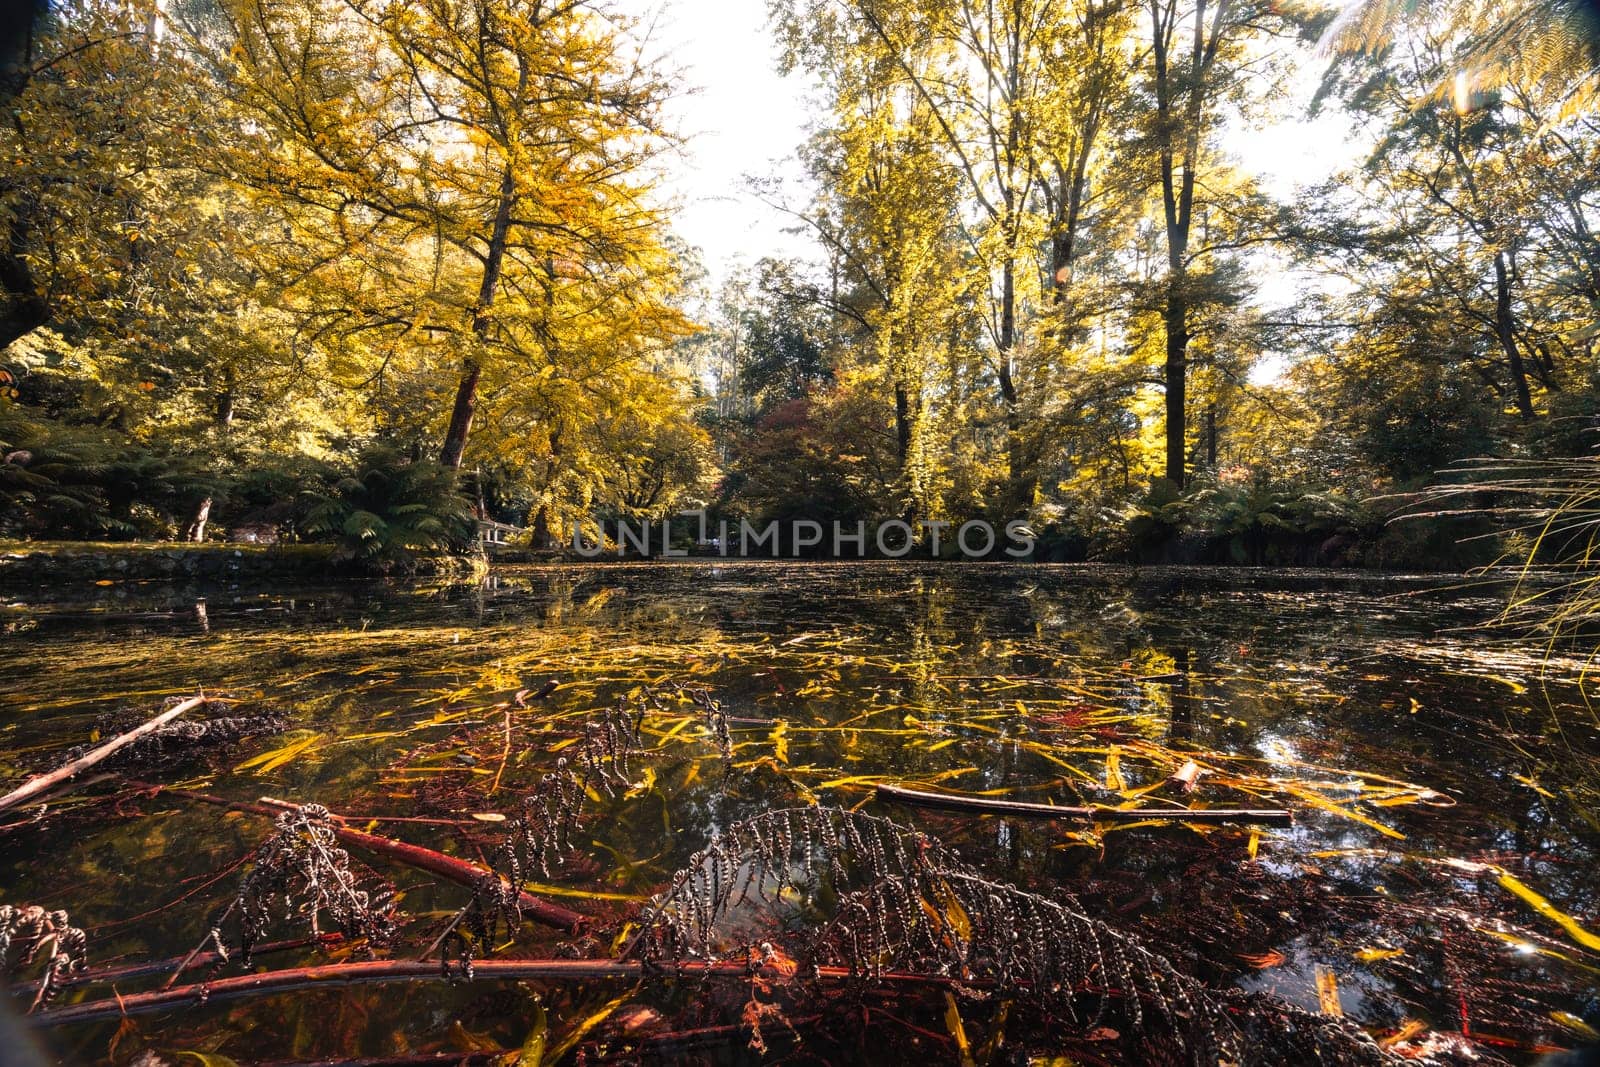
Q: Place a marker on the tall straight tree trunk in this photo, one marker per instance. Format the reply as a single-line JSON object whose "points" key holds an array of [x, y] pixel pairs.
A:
{"points": [[1176, 377], [902, 424], [1020, 476], [455, 438], [1177, 196], [1505, 330]]}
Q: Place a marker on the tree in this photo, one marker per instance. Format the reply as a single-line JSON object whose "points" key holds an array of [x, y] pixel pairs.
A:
{"points": [[1551, 46], [1200, 58], [1013, 97], [459, 179]]}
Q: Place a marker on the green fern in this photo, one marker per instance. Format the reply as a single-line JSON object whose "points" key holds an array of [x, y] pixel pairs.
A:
{"points": [[391, 511]]}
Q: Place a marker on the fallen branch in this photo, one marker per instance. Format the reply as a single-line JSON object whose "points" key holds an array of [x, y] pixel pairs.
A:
{"points": [[462, 872], [267, 983], [43, 783], [1022, 810], [122, 972]]}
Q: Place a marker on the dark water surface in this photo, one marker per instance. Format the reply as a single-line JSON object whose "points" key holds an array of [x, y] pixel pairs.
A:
{"points": [[1443, 778]]}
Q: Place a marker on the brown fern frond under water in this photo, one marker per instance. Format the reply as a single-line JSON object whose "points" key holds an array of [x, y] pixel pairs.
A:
{"points": [[608, 743], [711, 710], [302, 870], [28, 931], [542, 833], [182, 738], [761, 857], [903, 903]]}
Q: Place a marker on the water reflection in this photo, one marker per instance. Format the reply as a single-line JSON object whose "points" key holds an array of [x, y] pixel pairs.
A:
{"points": [[1055, 684]]}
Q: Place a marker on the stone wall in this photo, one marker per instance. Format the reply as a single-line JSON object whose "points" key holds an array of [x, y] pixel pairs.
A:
{"points": [[68, 563]]}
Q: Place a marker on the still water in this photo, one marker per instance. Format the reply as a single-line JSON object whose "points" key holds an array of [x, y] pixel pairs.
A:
{"points": [[1440, 876]]}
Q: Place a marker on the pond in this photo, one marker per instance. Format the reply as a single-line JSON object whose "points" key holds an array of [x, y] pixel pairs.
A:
{"points": [[1437, 886]]}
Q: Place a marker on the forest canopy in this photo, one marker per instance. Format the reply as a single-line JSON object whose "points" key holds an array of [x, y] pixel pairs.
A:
{"points": [[368, 270]]}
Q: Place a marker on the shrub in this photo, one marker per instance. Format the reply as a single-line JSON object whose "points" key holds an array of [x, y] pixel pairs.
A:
{"points": [[391, 510]]}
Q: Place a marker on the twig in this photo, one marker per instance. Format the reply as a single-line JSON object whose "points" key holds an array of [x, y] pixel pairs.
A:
{"points": [[44, 782], [366, 972], [1022, 810], [198, 950], [125, 971], [505, 755], [462, 872]]}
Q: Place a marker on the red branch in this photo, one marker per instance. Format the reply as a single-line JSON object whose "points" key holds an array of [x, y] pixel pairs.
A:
{"points": [[450, 868], [338, 975]]}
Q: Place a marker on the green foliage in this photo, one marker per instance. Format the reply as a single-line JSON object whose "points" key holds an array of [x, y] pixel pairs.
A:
{"points": [[805, 460], [61, 481], [1253, 520], [390, 510]]}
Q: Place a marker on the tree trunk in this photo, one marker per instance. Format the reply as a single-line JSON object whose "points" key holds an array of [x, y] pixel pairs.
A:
{"points": [[1211, 437], [455, 438], [541, 527], [16, 48], [197, 525], [1505, 330], [25, 310], [1177, 381], [902, 424], [1019, 474]]}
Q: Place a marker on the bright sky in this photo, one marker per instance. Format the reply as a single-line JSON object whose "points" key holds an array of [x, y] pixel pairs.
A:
{"points": [[743, 119], [746, 119]]}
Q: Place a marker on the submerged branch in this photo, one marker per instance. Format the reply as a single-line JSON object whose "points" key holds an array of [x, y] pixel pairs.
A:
{"points": [[1023, 810], [462, 872], [43, 783], [122, 972], [267, 983]]}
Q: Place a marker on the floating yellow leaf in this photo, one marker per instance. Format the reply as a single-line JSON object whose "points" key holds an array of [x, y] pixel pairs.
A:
{"points": [[268, 762], [1408, 1030], [1373, 955], [1114, 780], [559, 1051], [646, 783], [1571, 1022], [1539, 904], [1322, 803], [1328, 992], [958, 1032], [531, 1054], [209, 1059]]}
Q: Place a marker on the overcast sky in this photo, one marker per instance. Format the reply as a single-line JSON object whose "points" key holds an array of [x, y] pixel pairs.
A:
{"points": [[741, 118], [744, 118]]}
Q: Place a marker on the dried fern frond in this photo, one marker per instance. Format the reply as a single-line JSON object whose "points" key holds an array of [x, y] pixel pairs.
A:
{"points": [[29, 930], [183, 737], [303, 874], [608, 743], [716, 717], [904, 903], [760, 857]]}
